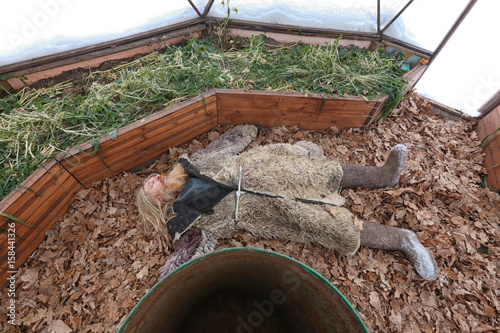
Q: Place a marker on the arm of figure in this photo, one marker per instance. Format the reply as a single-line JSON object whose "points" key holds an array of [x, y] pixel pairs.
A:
{"points": [[230, 143], [193, 244]]}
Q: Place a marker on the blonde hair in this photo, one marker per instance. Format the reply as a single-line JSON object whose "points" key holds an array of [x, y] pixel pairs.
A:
{"points": [[155, 212]]}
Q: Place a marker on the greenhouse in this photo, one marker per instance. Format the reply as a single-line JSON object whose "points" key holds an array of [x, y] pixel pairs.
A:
{"points": [[324, 166]]}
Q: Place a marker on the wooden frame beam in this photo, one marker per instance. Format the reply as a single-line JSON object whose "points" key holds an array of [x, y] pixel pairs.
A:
{"points": [[301, 31], [489, 105], [381, 33]]}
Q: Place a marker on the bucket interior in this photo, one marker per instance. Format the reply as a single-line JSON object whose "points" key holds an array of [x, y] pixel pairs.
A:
{"points": [[244, 290]]}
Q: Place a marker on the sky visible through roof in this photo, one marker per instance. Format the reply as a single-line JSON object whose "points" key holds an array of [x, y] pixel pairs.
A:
{"points": [[463, 76]]}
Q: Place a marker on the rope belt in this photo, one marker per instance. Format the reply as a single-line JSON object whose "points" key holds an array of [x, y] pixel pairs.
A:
{"points": [[238, 194]]}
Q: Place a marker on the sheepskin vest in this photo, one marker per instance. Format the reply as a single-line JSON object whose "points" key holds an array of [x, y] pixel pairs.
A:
{"points": [[286, 219], [279, 170], [287, 189]]}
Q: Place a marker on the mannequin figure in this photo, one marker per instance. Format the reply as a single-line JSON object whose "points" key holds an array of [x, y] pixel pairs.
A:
{"points": [[280, 191]]}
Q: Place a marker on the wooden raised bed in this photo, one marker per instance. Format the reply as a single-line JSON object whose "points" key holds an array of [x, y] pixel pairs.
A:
{"points": [[45, 195]]}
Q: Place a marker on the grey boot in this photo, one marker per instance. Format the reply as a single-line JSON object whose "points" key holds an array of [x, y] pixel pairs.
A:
{"points": [[384, 237], [376, 177]]}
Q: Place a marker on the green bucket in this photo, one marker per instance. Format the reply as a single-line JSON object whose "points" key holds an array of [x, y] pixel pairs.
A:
{"points": [[243, 290]]}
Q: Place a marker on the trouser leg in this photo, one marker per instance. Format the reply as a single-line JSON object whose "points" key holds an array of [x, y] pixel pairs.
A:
{"points": [[376, 177], [384, 237]]}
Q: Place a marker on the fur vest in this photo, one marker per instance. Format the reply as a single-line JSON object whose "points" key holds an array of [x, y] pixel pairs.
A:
{"points": [[292, 192], [282, 170]]}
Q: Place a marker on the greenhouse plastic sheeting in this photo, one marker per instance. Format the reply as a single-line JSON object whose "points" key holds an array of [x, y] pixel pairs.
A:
{"points": [[347, 15], [36, 28], [426, 22]]}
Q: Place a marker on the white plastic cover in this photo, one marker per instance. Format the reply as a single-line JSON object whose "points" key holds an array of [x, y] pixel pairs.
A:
{"points": [[36, 28], [347, 15], [426, 22], [466, 74]]}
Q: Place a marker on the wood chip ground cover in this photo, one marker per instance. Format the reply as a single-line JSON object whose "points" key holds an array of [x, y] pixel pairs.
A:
{"points": [[98, 262]]}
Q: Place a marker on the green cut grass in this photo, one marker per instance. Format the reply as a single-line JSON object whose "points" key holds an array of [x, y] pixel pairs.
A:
{"points": [[35, 125]]}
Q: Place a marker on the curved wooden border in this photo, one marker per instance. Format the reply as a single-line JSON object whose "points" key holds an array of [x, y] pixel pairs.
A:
{"points": [[46, 194]]}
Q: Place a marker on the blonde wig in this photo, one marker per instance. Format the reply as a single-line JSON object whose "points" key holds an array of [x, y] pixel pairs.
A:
{"points": [[159, 212]]}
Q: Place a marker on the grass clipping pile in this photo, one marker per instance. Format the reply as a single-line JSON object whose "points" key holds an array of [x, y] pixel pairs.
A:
{"points": [[100, 260]]}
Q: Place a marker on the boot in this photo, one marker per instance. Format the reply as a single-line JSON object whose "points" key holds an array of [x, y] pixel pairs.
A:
{"points": [[376, 177], [384, 237]]}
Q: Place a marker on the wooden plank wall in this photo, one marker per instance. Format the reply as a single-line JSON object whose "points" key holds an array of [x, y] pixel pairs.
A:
{"points": [[312, 112], [488, 125], [141, 142], [50, 190]]}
